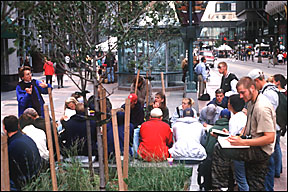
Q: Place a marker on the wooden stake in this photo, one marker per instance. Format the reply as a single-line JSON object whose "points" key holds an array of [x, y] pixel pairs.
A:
{"points": [[162, 80], [104, 131], [126, 141], [117, 150], [5, 178], [54, 125], [137, 78], [50, 148], [147, 90]]}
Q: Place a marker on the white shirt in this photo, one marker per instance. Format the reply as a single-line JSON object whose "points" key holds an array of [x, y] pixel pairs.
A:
{"points": [[39, 137], [270, 93], [188, 133], [233, 84], [280, 56], [237, 122]]}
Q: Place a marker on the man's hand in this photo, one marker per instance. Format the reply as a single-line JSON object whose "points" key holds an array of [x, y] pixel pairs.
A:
{"points": [[43, 84], [29, 90], [235, 140]]}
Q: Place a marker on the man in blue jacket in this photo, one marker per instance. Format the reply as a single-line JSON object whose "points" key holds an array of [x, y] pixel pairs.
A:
{"points": [[29, 92], [220, 99]]}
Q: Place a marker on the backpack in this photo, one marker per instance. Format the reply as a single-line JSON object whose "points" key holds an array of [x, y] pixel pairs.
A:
{"points": [[281, 111]]}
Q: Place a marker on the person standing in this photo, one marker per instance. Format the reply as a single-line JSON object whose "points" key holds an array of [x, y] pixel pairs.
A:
{"points": [[285, 57], [141, 90], [280, 58], [252, 55], [270, 91], [270, 59], [60, 71], [261, 128], [228, 81], [48, 70], [184, 66], [29, 92], [236, 123], [280, 81], [27, 61], [200, 70], [110, 61], [23, 154]]}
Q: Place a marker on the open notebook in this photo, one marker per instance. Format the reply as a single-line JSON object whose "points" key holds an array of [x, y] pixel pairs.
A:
{"points": [[226, 144]]}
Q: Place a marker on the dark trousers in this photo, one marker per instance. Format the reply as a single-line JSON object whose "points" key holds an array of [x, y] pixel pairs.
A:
{"points": [[256, 164], [60, 80], [49, 78]]}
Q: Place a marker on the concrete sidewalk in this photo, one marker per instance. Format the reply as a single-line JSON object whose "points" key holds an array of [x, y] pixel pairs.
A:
{"points": [[9, 106]]}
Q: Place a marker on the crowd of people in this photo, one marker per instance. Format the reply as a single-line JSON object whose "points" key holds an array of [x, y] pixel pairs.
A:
{"points": [[244, 108]]}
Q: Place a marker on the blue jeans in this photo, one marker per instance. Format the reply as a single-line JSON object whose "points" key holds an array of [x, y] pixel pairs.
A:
{"points": [[278, 155], [136, 141], [110, 73], [240, 175], [275, 159]]}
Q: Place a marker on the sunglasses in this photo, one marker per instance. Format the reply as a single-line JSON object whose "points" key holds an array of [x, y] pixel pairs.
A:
{"points": [[219, 67]]}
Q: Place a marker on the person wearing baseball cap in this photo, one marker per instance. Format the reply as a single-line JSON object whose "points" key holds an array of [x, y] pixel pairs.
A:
{"points": [[156, 138], [136, 118], [136, 111], [209, 114], [188, 133], [270, 91]]}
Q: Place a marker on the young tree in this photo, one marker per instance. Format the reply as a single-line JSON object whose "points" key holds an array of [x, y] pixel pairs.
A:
{"points": [[74, 28]]}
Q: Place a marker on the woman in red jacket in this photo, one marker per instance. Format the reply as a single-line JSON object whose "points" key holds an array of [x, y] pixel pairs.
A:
{"points": [[48, 69]]}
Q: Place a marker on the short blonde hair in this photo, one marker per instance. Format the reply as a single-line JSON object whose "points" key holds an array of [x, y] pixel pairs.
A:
{"points": [[69, 100], [190, 101]]}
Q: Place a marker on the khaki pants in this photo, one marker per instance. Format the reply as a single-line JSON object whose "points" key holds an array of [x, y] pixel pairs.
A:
{"points": [[202, 86]]}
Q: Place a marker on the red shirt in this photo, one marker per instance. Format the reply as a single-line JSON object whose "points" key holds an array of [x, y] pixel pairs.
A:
{"points": [[155, 140], [48, 67]]}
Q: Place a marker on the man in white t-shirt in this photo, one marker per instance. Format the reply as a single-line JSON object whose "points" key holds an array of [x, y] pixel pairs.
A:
{"points": [[280, 58]]}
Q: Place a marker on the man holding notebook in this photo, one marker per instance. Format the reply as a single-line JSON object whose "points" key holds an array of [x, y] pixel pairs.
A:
{"points": [[259, 134]]}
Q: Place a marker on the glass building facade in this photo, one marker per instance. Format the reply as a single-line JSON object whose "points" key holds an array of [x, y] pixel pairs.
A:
{"points": [[163, 57]]}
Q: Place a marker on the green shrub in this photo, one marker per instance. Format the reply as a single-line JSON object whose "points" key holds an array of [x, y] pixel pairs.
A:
{"points": [[72, 176], [152, 178]]}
